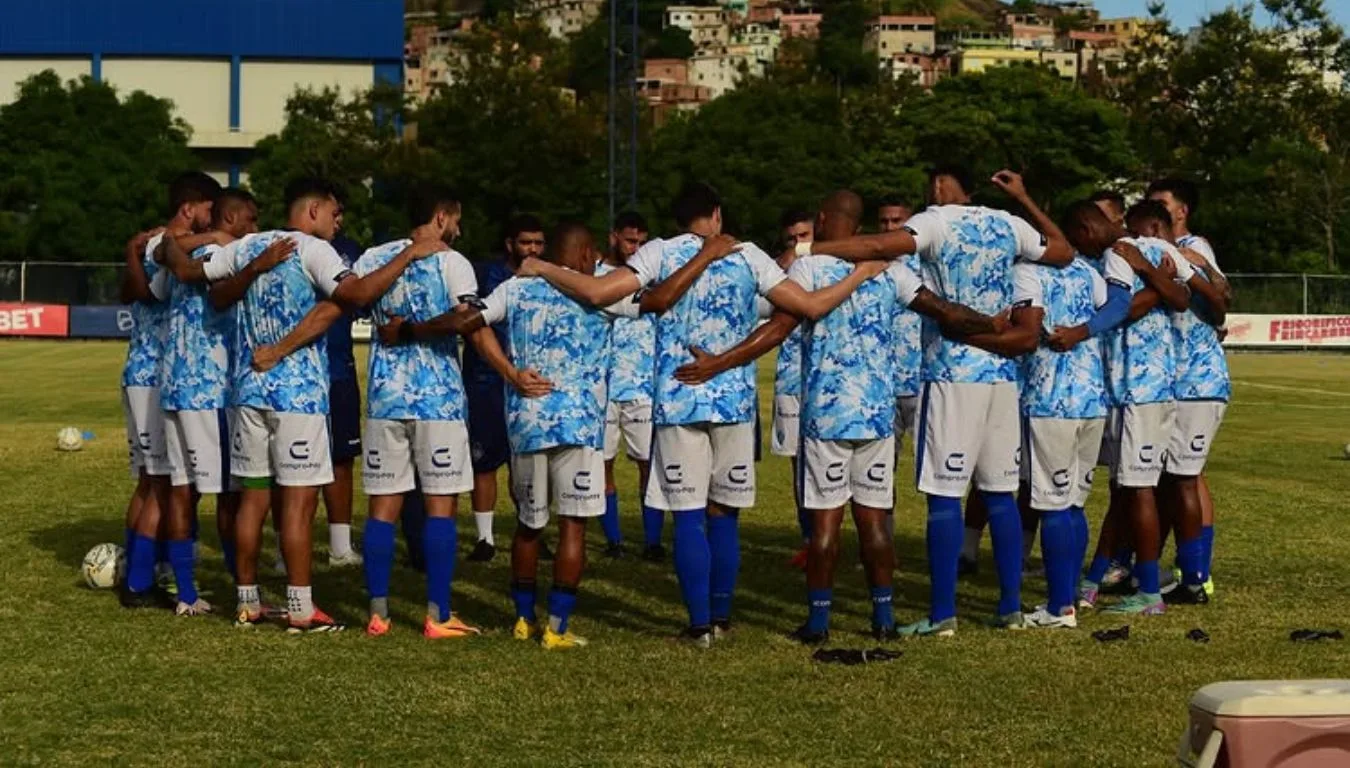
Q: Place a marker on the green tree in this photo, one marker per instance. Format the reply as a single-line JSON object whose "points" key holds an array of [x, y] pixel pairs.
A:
{"points": [[81, 169], [840, 56]]}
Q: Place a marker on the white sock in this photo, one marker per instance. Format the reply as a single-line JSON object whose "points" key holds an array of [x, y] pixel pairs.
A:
{"points": [[300, 602], [1028, 541], [340, 539], [970, 546], [483, 520], [248, 596]]}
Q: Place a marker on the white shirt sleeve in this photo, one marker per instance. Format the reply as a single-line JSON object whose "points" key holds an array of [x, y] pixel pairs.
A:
{"points": [[1027, 290], [223, 262], [1115, 269], [460, 281], [1098, 289], [1185, 270], [323, 265], [628, 306], [802, 274], [646, 263], [494, 306], [1030, 242], [767, 272], [1201, 246], [907, 284], [159, 284], [928, 230]]}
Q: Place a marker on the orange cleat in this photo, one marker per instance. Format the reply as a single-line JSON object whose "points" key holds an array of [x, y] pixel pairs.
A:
{"points": [[450, 628], [318, 622], [378, 626]]}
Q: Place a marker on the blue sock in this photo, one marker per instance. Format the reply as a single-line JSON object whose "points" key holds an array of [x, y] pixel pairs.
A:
{"points": [[184, 563], [377, 549], [693, 564], [1005, 533], [524, 594], [1191, 559], [561, 601], [609, 523], [1079, 521], [1061, 568], [1207, 536], [883, 613], [945, 533], [227, 550], [653, 520], [1147, 573], [724, 546], [804, 522], [818, 609], [1097, 570], [440, 539], [141, 563]]}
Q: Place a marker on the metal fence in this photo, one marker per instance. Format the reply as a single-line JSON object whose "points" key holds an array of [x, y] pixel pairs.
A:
{"points": [[47, 282]]}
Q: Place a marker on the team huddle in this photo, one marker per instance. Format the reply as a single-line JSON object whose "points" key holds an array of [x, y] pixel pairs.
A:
{"points": [[1019, 353]]}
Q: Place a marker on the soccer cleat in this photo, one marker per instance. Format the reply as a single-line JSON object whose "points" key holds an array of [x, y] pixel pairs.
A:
{"points": [[552, 641], [1014, 620], [524, 630], [1187, 594], [1044, 619], [378, 625], [798, 560], [1139, 604], [1117, 578], [352, 558], [696, 637], [483, 552], [275, 612], [967, 567], [614, 550], [246, 619], [199, 608], [654, 553], [449, 629], [1209, 586], [150, 598], [318, 622], [1087, 595], [926, 628], [807, 636], [885, 634], [721, 629]]}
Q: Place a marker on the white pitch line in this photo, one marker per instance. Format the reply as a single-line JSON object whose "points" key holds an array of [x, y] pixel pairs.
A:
{"points": [[1285, 388]]}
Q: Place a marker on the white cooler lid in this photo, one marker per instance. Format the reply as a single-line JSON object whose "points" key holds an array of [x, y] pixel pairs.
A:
{"points": [[1275, 698]]}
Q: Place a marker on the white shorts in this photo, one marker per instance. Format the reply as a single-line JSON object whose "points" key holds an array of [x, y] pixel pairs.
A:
{"points": [[292, 448], [145, 431], [1059, 459], [968, 431], [198, 444], [697, 463], [1197, 423], [787, 421], [630, 421], [1136, 441], [573, 476], [399, 453], [833, 471]]}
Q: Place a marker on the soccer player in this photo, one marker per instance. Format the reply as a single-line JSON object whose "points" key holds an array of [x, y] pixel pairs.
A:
{"points": [[703, 456], [281, 431], [628, 415], [969, 426], [848, 405], [524, 238], [344, 423], [892, 213], [1111, 203], [191, 197], [1139, 360], [798, 227]]}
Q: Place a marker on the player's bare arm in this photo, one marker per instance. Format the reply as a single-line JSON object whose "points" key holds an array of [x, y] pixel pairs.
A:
{"points": [[663, 295], [528, 382], [135, 284], [174, 254], [314, 324], [1058, 252], [358, 292], [813, 305], [1023, 335], [957, 320], [595, 290], [226, 293], [764, 338], [882, 246], [1160, 279]]}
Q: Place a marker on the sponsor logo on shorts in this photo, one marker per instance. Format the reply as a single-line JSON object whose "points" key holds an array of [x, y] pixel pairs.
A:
{"points": [[237, 444], [877, 472], [673, 473], [1091, 473], [834, 473], [1060, 478], [739, 474], [1198, 443], [582, 480], [373, 460], [440, 458], [143, 439], [1147, 453], [956, 462], [1017, 456], [192, 458], [299, 450]]}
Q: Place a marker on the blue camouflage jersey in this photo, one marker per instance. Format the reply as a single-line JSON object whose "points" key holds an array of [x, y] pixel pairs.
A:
{"points": [[418, 380], [1202, 367], [715, 314], [275, 304], [195, 368], [1141, 356], [632, 352], [907, 340], [787, 372], [848, 371], [967, 255], [1063, 385], [149, 331], [568, 344]]}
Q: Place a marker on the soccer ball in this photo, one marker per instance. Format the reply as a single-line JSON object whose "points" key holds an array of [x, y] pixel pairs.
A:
{"points": [[69, 439], [104, 566]]}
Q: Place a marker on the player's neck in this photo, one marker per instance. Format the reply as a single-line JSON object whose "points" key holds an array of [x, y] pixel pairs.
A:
{"points": [[704, 228], [1181, 230], [299, 226], [613, 259]]}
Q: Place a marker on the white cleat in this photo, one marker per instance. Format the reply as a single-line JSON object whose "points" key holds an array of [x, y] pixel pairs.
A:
{"points": [[1043, 619], [351, 559], [199, 608]]}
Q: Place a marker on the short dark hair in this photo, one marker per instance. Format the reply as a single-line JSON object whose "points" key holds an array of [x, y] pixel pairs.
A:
{"points": [[305, 187], [695, 200], [1182, 189], [522, 222], [630, 220], [191, 187], [228, 198], [961, 173], [1108, 196], [1076, 215], [794, 215], [424, 202], [1146, 210], [892, 200]]}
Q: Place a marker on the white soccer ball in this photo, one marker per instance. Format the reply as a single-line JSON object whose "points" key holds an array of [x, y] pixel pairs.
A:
{"points": [[104, 566], [69, 439]]}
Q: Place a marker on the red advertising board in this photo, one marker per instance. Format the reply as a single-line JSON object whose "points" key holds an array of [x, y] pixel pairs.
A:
{"points": [[34, 319]]}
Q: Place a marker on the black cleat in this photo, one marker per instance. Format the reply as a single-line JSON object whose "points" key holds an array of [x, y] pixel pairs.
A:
{"points": [[615, 551], [544, 552], [150, 598], [696, 637], [654, 553], [885, 634], [806, 636], [966, 567], [1187, 594], [483, 552]]}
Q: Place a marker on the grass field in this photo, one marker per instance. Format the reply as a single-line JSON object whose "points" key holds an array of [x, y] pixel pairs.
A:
{"points": [[82, 680]]}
